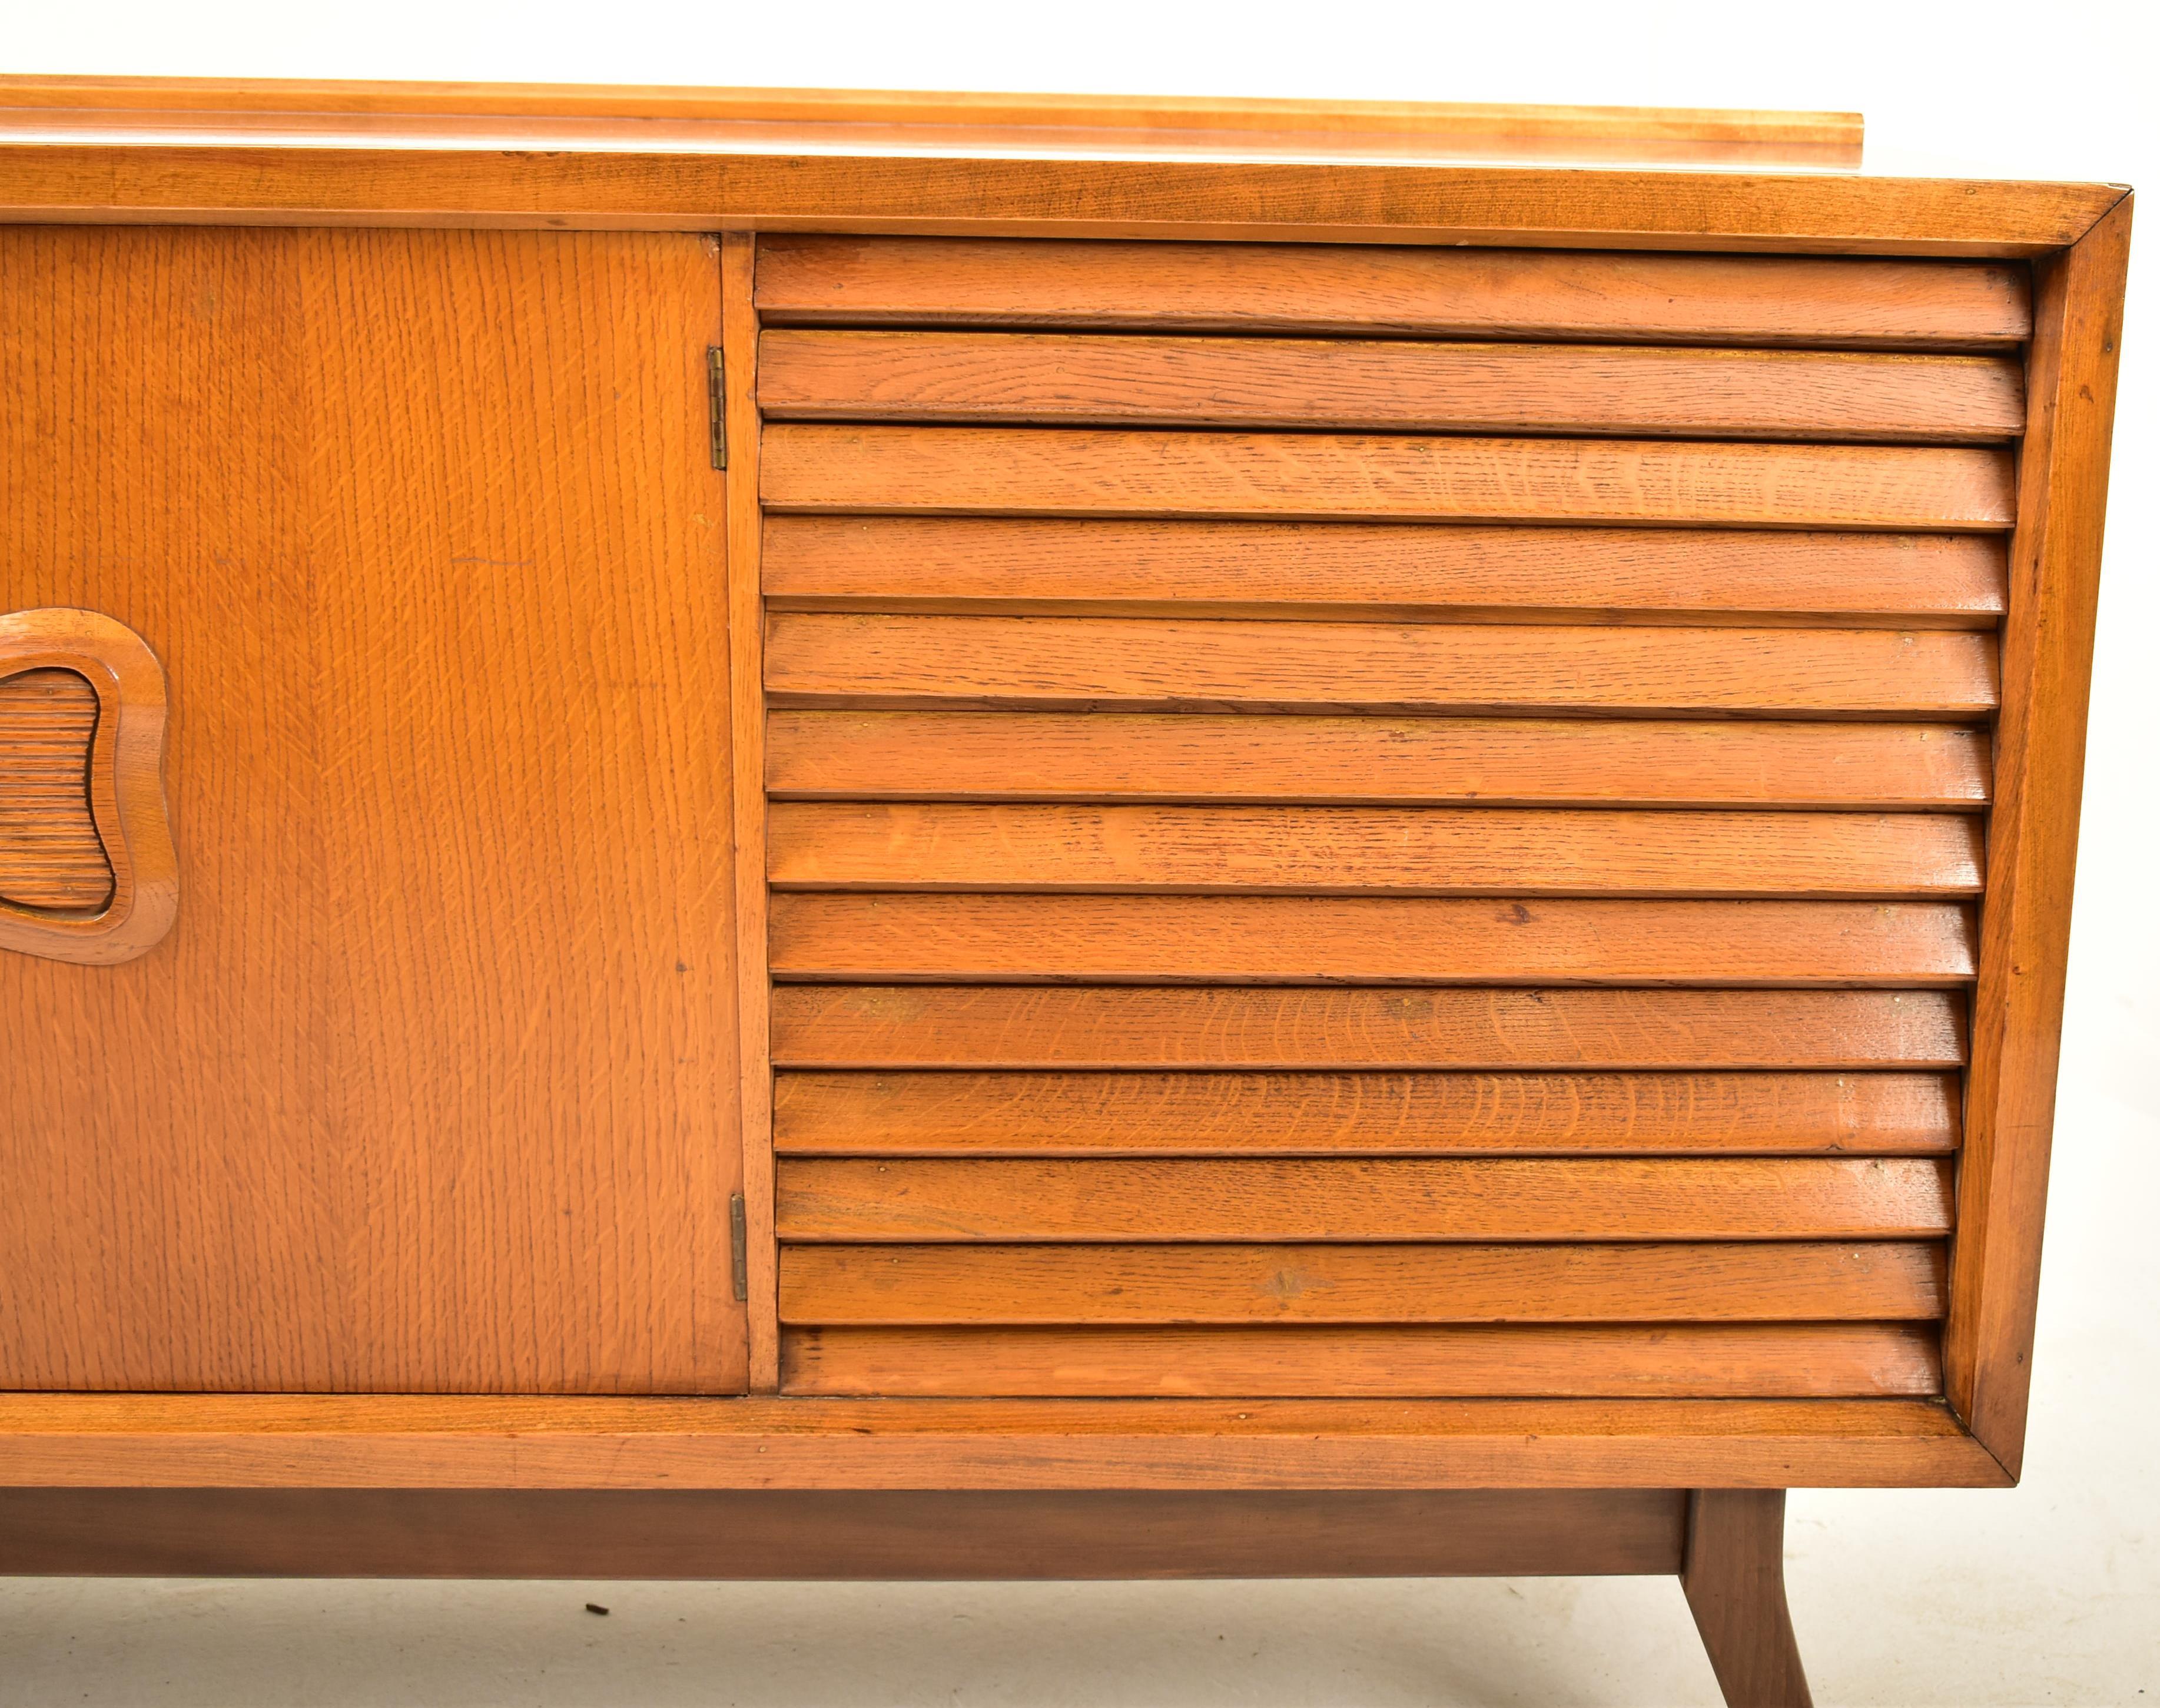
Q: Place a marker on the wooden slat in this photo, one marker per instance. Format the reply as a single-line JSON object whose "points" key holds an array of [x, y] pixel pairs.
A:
{"points": [[978, 1026], [1019, 379], [1381, 291], [1299, 940], [883, 1286], [1272, 1198], [1355, 850], [1043, 471], [1381, 572], [959, 1114], [50, 855], [1319, 760], [1785, 1360], [1147, 664]]}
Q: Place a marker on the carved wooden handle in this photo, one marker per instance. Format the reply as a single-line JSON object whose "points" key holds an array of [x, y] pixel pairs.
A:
{"points": [[86, 866]]}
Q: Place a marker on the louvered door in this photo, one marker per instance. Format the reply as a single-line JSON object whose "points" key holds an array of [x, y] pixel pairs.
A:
{"points": [[1374, 821]]}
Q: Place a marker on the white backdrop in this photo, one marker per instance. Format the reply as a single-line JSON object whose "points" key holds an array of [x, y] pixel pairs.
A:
{"points": [[2048, 1594]]}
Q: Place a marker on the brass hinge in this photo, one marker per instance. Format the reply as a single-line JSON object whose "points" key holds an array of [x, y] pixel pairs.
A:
{"points": [[739, 1244], [716, 401]]}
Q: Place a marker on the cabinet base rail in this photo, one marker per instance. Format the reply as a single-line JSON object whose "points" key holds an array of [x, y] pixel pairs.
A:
{"points": [[1726, 1545]]}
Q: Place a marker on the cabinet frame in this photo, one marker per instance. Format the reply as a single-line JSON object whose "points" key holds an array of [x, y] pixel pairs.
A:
{"points": [[220, 155]]}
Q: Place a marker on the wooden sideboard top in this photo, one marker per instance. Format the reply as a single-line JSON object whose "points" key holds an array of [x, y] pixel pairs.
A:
{"points": [[878, 120], [181, 150]]}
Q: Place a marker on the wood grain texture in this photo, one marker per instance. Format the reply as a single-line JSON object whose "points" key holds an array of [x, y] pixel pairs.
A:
{"points": [[1045, 471], [942, 1535], [122, 782], [934, 1026], [746, 732], [1378, 851], [1821, 1361], [1299, 940], [510, 1441], [885, 1286], [1735, 1582], [1375, 385], [959, 1114], [439, 1054], [1147, 664], [1396, 121], [50, 856], [1382, 572], [850, 1200], [623, 184], [2048, 646], [1257, 759], [1376, 291]]}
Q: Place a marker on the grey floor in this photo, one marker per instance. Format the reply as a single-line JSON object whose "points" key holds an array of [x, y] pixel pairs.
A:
{"points": [[2048, 1594]]}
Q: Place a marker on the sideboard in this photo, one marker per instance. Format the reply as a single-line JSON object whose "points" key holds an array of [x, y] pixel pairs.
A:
{"points": [[790, 834]]}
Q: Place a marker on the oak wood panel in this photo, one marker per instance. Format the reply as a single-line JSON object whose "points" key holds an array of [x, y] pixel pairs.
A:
{"points": [[522, 1442], [882, 1535], [1350, 851], [1025, 379], [1724, 1361], [962, 1113], [439, 1054], [1371, 760], [1382, 572], [1390, 291], [50, 856], [2034, 833], [746, 730], [1394, 120], [1149, 664], [1047, 471], [930, 1027], [882, 1285], [353, 177], [848, 1200], [1298, 940]]}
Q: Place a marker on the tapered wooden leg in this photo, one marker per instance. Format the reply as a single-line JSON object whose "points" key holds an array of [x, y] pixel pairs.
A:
{"points": [[1735, 1580]]}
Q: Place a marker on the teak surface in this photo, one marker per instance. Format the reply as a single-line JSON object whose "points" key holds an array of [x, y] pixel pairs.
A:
{"points": [[431, 1085], [1141, 664], [978, 1026], [1734, 1578], [1371, 851], [489, 515], [2047, 652], [509, 1441], [943, 1535], [1200, 1115], [522, 160], [1387, 385], [838, 469], [1371, 760], [1392, 291], [119, 886], [50, 856], [1393, 572], [1716, 1360], [878, 1286], [1320, 940], [1389, 1198]]}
